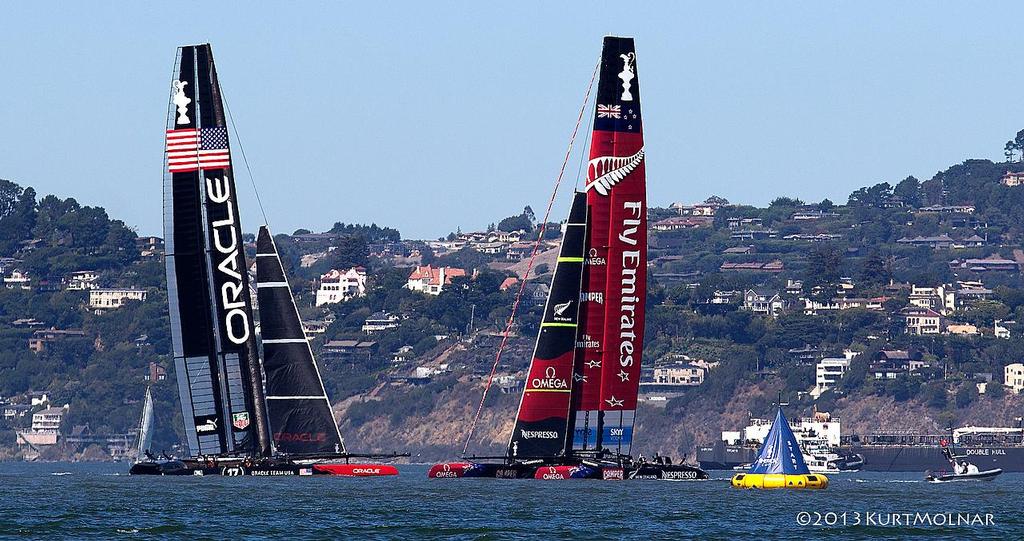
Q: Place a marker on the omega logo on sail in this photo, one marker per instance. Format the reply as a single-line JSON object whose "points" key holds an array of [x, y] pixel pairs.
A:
{"points": [[549, 381], [236, 320], [630, 265]]}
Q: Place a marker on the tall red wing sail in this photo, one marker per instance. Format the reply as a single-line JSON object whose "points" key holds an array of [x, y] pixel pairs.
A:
{"points": [[616, 190], [542, 423]]}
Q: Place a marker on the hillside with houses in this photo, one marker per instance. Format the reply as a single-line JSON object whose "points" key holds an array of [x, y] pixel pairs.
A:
{"points": [[906, 299]]}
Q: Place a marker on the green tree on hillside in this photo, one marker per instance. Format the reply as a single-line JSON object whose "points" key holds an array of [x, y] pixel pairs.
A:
{"points": [[824, 267], [875, 271], [909, 191], [17, 215]]}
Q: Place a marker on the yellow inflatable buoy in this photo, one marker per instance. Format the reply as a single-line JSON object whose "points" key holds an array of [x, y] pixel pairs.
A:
{"points": [[779, 480]]}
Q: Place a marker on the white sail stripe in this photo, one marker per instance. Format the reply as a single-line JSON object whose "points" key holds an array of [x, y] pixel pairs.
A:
{"points": [[272, 284], [297, 398], [284, 340], [266, 255]]}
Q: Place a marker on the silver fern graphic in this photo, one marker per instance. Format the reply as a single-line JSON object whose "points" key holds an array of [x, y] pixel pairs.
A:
{"points": [[561, 308], [606, 171]]}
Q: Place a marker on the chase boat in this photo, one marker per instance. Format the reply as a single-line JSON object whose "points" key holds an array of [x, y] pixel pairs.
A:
{"points": [[962, 470]]}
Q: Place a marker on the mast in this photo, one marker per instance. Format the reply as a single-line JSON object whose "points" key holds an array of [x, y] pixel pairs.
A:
{"points": [[543, 418], [299, 409], [212, 333], [615, 283]]}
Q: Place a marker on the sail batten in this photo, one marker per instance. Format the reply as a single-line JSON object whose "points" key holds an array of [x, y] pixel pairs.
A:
{"points": [[301, 419]]}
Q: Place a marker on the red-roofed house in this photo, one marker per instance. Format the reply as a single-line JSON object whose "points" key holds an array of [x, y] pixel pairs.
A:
{"points": [[432, 280]]}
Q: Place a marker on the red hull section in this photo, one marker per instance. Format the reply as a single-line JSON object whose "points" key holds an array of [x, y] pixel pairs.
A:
{"points": [[355, 470], [448, 470], [555, 473]]}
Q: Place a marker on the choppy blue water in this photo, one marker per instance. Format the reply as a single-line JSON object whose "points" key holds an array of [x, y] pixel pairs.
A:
{"points": [[76, 501]]}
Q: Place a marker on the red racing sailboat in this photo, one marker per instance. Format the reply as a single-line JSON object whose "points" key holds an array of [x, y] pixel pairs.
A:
{"points": [[576, 416]]}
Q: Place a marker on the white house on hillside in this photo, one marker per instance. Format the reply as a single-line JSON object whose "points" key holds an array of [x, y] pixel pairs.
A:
{"points": [[337, 286], [432, 280], [1013, 377], [83, 280], [114, 297], [827, 373]]}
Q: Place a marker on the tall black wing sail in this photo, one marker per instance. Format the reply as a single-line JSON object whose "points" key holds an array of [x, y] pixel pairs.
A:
{"points": [[215, 353], [542, 423], [300, 412]]}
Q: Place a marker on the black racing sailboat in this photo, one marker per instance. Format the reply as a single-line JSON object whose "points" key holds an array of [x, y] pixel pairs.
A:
{"points": [[228, 417], [304, 430], [576, 416]]}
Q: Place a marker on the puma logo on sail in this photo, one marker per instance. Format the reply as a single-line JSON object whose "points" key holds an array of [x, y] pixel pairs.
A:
{"points": [[604, 172]]}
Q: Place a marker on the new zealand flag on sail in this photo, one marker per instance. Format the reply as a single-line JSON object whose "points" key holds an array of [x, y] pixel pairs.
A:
{"points": [[618, 98]]}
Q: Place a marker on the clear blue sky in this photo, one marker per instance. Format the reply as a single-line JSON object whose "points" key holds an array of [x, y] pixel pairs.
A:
{"points": [[429, 116]]}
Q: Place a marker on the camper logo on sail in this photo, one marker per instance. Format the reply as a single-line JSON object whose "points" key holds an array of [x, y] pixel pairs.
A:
{"points": [[592, 296], [549, 381]]}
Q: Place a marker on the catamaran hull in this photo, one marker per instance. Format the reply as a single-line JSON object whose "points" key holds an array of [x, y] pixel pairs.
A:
{"points": [[456, 470], [667, 472], [284, 469]]}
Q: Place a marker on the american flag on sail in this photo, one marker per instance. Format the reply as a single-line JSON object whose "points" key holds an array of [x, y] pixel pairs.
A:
{"points": [[190, 149], [609, 111]]}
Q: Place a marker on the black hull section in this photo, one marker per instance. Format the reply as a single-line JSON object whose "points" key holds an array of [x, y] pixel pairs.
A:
{"points": [[172, 467], [272, 468]]}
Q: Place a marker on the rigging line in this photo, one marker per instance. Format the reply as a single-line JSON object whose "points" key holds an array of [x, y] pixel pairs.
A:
{"points": [[529, 266], [234, 128], [586, 139]]}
